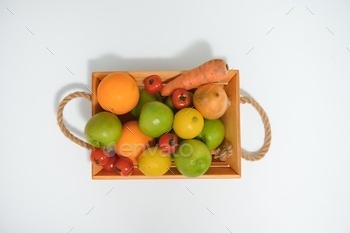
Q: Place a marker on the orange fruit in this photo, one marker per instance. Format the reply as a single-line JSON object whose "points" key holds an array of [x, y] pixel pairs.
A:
{"points": [[118, 92], [132, 141]]}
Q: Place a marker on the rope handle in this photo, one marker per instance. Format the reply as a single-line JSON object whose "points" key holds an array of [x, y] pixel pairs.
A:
{"points": [[254, 156], [248, 156], [61, 124]]}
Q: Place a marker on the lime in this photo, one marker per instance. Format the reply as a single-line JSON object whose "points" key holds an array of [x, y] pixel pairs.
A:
{"points": [[213, 133], [145, 97], [154, 162], [193, 158], [155, 119]]}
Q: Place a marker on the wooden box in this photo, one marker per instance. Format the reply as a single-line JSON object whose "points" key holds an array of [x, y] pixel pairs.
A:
{"points": [[231, 168]]}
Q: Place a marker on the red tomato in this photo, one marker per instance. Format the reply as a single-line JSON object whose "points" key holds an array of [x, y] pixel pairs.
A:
{"points": [[168, 143], [181, 98], [99, 157], [153, 84], [124, 166], [110, 166]]}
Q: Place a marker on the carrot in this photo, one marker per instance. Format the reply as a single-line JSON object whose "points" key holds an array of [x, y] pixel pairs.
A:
{"points": [[209, 72]]}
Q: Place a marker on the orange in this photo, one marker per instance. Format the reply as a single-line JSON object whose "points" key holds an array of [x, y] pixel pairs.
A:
{"points": [[118, 93], [132, 142]]}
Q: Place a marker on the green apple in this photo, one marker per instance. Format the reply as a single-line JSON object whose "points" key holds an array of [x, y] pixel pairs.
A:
{"points": [[169, 103], [155, 119], [145, 97], [192, 158], [213, 133], [103, 130], [159, 97]]}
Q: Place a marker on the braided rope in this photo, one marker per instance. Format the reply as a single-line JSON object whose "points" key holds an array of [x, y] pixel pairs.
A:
{"points": [[61, 124], [254, 156]]}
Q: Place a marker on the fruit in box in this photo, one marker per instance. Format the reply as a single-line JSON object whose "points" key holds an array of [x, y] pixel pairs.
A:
{"points": [[103, 130], [188, 123], [181, 98], [132, 141], [168, 142], [153, 84], [155, 119], [99, 157], [213, 133], [211, 100], [193, 158], [168, 101], [154, 162], [118, 92], [144, 98], [124, 166]]}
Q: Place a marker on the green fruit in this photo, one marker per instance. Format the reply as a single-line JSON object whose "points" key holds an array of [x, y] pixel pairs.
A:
{"points": [[155, 119], [213, 133], [192, 158], [103, 130], [158, 97], [169, 103], [145, 97]]}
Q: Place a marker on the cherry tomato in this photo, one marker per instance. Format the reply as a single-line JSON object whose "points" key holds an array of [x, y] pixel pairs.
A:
{"points": [[153, 84], [99, 157], [168, 143], [124, 166], [181, 98], [110, 166]]}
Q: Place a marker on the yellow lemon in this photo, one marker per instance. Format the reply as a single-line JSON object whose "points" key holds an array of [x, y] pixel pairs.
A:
{"points": [[188, 123], [154, 162]]}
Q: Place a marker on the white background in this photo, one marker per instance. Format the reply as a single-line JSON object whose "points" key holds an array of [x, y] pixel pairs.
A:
{"points": [[293, 57]]}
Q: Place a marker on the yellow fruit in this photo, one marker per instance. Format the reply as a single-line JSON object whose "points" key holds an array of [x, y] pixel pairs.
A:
{"points": [[188, 123], [154, 162]]}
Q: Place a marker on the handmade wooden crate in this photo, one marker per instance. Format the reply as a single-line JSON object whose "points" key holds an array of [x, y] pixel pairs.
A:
{"points": [[231, 168]]}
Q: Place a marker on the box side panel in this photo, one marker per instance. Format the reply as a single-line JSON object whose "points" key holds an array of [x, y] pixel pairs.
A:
{"points": [[173, 173], [231, 120]]}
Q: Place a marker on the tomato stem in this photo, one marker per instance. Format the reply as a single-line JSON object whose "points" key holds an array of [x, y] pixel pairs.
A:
{"points": [[172, 142], [182, 97]]}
